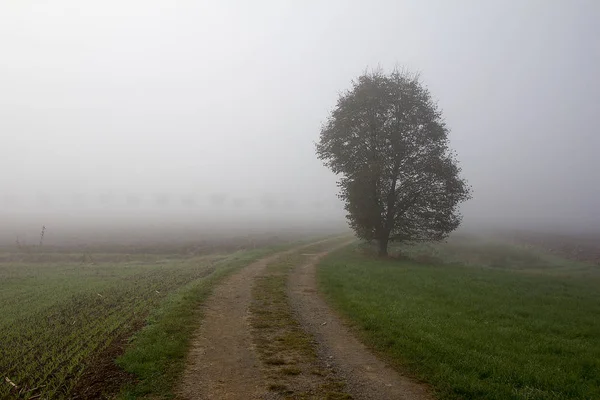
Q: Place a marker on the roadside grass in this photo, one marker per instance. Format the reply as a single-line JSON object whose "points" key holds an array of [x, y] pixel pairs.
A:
{"points": [[288, 353], [491, 332]]}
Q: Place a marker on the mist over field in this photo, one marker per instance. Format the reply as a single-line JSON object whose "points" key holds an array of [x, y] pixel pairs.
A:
{"points": [[155, 118]]}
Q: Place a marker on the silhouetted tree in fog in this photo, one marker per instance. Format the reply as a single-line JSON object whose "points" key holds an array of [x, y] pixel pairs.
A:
{"points": [[400, 180]]}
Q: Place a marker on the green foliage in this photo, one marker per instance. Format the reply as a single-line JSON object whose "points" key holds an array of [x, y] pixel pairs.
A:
{"points": [[400, 181], [498, 332]]}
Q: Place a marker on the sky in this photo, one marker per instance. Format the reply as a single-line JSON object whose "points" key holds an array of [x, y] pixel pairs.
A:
{"points": [[188, 109]]}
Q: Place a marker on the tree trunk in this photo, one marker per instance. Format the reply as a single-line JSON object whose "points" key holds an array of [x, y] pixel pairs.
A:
{"points": [[383, 247]]}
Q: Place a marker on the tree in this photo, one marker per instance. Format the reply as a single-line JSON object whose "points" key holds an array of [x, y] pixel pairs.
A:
{"points": [[399, 180]]}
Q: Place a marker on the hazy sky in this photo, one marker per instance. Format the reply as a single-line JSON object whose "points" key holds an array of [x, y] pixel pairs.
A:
{"points": [[197, 105]]}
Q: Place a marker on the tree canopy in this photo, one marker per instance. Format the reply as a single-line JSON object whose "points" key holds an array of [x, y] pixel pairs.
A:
{"points": [[400, 180]]}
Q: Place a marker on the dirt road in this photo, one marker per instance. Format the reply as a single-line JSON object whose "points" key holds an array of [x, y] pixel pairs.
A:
{"points": [[223, 364]]}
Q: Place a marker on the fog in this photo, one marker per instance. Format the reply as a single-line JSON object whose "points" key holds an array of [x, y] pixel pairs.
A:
{"points": [[205, 114]]}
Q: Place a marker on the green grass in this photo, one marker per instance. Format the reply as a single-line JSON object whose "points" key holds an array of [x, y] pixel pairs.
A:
{"points": [[55, 316], [501, 331]]}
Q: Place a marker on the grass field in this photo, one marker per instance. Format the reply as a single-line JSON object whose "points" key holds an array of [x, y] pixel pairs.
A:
{"points": [[476, 319], [57, 317]]}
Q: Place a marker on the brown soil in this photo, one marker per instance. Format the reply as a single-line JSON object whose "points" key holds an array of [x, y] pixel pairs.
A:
{"points": [[366, 376]]}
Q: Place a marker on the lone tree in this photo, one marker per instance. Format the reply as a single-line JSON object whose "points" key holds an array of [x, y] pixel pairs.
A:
{"points": [[399, 179]]}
